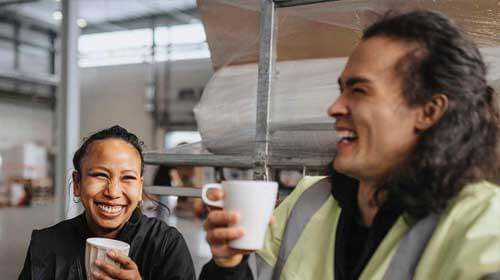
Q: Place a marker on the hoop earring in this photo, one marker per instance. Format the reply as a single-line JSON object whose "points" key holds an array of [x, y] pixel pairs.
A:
{"points": [[76, 199]]}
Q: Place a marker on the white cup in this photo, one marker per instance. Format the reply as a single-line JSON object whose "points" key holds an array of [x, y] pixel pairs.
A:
{"points": [[96, 248], [254, 201]]}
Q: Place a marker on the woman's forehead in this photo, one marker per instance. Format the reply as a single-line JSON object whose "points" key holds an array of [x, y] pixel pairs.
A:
{"points": [[112, 150]]}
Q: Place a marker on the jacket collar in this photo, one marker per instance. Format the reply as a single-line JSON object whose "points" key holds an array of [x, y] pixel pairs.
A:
{"points": [[125, 234]]}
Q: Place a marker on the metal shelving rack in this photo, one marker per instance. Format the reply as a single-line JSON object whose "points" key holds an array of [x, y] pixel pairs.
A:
{"points": [[15, 74], [261, 161]]}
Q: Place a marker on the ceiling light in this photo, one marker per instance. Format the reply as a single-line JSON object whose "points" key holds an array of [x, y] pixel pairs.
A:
{"points": [[57, 15], [82, 23]]}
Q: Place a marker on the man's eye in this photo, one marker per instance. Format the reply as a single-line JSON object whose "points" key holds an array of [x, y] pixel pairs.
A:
{"points": [[358, 90]]}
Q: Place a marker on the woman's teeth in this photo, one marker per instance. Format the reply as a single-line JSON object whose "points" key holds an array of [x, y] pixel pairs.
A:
{"points": [[109, 209]]}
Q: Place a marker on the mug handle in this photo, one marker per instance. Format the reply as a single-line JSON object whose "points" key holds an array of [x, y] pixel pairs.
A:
{"points": [[215, 203]]}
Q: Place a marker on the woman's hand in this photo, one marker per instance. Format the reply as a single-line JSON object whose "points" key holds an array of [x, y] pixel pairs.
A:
{"points": [[219, 234], [127, 271]]}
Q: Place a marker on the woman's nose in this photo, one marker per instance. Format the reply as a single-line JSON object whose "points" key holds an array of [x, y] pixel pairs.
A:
{"points": [[113, 189]]}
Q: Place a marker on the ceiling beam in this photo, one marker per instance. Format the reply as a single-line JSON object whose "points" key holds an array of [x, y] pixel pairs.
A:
{"points": [[163, 19], [15, 2]]}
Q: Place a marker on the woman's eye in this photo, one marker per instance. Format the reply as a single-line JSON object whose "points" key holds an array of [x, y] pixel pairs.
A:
{"points": [[99, 175], [129, 178]]}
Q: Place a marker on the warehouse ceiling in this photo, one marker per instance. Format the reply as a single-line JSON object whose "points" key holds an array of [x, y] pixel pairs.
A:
{"points": [[108, 15]]}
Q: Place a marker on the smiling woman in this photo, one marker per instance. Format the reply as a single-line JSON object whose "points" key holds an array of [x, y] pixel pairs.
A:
{"points": [[108, 178]]}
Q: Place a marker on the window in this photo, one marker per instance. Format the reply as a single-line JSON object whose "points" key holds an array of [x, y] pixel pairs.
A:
{"points": [[135, 46]]}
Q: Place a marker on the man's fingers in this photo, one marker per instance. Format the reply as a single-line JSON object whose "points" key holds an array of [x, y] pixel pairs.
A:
{"points": [[224, 251], [223, 235], [220, 218], [215, 194]]}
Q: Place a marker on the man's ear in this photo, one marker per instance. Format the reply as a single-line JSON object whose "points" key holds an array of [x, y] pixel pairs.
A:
{"points": [[76, 183], [431, 112]]}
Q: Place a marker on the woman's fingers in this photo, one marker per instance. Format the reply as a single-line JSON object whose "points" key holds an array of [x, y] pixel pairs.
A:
{"points": [[125, 261], [127, 270]]}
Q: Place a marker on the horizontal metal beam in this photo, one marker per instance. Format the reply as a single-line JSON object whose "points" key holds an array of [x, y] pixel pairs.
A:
{"points": [[27, 99], [14, 2], [293, 3], [302, 127], [47, 80], [246, 162], [7, 15], [144, 21], [198, 160], [22, 42], [172, 191]]}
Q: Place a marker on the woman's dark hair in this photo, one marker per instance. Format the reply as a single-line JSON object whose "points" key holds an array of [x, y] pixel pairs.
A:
{"points": [[114, 132], [461, 148]]}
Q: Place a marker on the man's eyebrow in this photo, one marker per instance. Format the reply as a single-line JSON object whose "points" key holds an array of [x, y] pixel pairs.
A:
{"points": [[352, 81]]}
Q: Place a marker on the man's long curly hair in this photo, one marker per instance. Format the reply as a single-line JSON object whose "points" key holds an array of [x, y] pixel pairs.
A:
{"points": [[462, 147]]}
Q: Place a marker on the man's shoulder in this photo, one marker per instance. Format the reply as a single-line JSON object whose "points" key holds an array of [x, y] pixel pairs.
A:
{"points": [[485, 195], [306, 182], [475, 212]]}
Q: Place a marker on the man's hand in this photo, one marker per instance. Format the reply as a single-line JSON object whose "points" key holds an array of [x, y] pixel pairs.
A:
{"points": [[219, 234], [127, 271]]}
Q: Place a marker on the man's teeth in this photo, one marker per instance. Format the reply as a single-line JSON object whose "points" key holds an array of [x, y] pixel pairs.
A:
{"points": [[109, 209], [346, 135]]}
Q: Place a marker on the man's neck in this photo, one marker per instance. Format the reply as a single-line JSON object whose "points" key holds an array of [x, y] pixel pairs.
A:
{"points": [[366, 202]]}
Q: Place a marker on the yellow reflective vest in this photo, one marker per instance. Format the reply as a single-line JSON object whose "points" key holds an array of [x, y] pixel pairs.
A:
{"points": [[464, 245]]}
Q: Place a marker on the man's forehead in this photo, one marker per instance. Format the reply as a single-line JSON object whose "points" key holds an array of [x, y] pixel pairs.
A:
{"points": [[376, 54]]}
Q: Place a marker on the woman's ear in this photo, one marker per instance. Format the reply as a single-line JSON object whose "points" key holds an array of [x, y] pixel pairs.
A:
{"points": [[142, 187], [431, 112], [76, 183]]}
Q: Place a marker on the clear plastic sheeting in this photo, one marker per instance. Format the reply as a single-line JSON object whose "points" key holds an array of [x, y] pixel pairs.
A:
{"points": [[328, 29], [313, 41], [299, 123]]}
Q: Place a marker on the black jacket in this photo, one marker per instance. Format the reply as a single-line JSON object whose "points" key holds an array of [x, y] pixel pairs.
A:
{"points": [[58, 252]]}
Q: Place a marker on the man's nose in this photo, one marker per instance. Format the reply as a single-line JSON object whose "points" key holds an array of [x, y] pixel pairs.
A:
{"points": [[338, 108]]}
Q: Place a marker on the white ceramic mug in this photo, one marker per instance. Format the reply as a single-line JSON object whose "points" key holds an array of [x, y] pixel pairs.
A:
{"points": [[96, 248], [254, 201]]}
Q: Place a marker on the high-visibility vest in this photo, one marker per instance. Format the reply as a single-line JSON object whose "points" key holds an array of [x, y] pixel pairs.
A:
{"points": [[461, 243]]}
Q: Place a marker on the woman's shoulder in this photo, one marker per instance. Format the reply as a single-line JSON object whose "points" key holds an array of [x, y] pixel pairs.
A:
{"points": [[157, 237], [56, 231], [158, 227]]}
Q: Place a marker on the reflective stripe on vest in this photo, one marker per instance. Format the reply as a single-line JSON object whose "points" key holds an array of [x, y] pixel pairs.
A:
{"points": [[410, 249], [402, 265]]}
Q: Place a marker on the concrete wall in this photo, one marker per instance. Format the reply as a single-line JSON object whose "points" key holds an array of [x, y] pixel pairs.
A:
{"points": [[116, 95], [21, 123]]}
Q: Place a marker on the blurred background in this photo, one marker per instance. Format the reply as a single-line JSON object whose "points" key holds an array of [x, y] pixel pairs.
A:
{"points": [[174, 72]]}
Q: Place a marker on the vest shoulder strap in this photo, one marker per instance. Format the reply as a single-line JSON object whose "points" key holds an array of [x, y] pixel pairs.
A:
{"points": [[411, 247], [304, 208]]}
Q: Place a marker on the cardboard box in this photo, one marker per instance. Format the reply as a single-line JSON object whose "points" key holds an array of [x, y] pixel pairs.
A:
{"points": [[25, 161]]}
